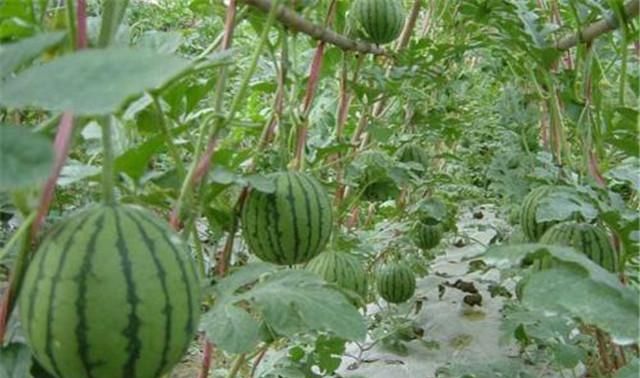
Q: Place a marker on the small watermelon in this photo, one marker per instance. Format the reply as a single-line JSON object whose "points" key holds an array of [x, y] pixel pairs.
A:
{"points": [[379, 21], [396, 283], [291, 225], [586, 238], [111, 292], [426, 236], [341, 268]]}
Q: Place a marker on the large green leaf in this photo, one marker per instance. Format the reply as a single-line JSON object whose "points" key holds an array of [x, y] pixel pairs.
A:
{"points": [[629, 371], [570, 288], [16, 54], [25, 157], [15, 361], [293, 301], [575, 286], [561, 204], [91, 82], [246, 275], [231, 328], [135, 161]]}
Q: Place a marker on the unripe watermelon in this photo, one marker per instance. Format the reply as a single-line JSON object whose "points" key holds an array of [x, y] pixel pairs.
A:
{"points": [[586, 238], [379, 21], [396, 283], [412, 153], [341, 268], [532, 228], [291, 225], [111, 292], [426, 236]]}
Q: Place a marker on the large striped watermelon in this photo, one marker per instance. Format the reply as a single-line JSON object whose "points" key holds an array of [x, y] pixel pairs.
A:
{"points": [[341, 268], [111, 292], [530, 226], [586, 238], [379, 21], [396, 283], [291, 225], [426, 236]]}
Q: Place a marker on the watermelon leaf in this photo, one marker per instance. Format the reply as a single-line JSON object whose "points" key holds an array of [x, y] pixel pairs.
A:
{"points": [[231, 328], [15, 361], [575, 286], [14, 55], [26, 157], [226, 288], [297, 301], [561, 204], [91, 82], [629, 371]]}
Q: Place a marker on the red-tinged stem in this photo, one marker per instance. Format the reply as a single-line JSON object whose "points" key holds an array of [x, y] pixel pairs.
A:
{"points": [[81, 36], [205, 162], [206, 358], [61, 146], [353, 218], [314, 75], [258, 359]]}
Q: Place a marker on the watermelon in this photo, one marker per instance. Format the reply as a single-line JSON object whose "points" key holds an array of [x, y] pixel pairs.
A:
{"points": [[111, 292], [586, 238], [291, 225], [530, 226], [396, 283], [412, 153], [426, 236], [341, 268], [378, 21]]}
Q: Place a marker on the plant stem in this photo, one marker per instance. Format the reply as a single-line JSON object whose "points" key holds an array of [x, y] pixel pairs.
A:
{"points": [[199, 250], [237, 364], [72, 25], [112, 14], [324, 34], [173, 151], [26, 223], [108, 195], [19, 269], [256, 363]]}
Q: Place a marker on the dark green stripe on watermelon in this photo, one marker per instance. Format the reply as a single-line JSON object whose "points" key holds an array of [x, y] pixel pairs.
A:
{"points": [[133, 322], [291, 225], [124, 299], [167, 310]]}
